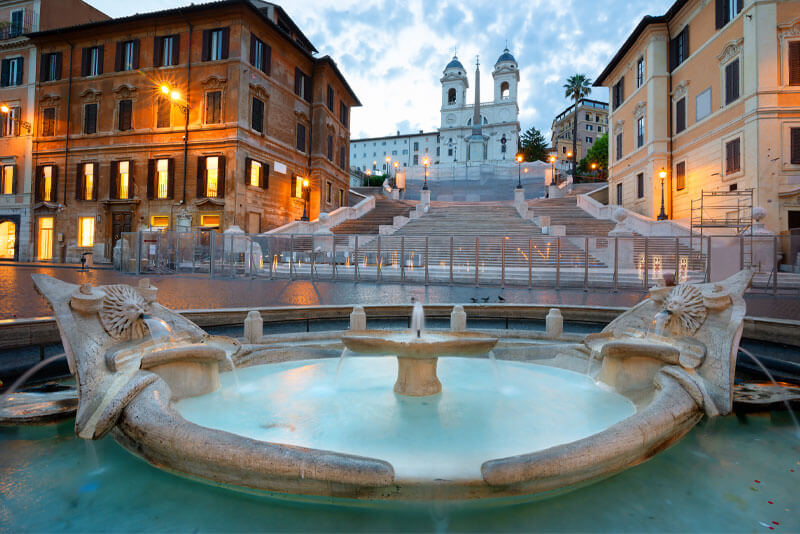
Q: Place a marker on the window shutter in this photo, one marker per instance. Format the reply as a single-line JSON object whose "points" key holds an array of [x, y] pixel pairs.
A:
{"points": [[151, 178], [136, 54], [201, 177], [206, 46], [37, 182], [298, 80], [794, 63], [248, 169], [170, 177], [685, 39], [85, 62], [100, 59], [158, 49], [795, 148], [112, 182], [79, 182], [13, 179], [737, 155], [253, 51], [732, 81], [720, 13], [267, 59], [58, 66], [4, 72], [739, 5], [680, 115], [263, 177], [307, 88], [118, 58], [90, 126], [221, 178], [20, 70], [54, 190], [95, 178], [176, 49], [43, 67], [226, 33]]}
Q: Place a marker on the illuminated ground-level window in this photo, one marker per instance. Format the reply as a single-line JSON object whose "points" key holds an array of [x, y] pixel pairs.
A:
{"points": [[123, 180], [45, 238], [255, 174], [159, 221], [47, 184], [8, 239], [162, 178], [7, 187], [209, 221], [212, 176], [85, 231], [87, 191]]}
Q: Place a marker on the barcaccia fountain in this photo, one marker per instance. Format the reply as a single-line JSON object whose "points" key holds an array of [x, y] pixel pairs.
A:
{"points": [[541, 419]]}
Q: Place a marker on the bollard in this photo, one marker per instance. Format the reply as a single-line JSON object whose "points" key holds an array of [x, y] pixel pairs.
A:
{"points": [[253, 327], [458, 319], [554, 324], [358, 319]]}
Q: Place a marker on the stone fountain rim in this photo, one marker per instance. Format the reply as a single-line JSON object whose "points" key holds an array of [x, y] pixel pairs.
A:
{"points": [[445, 343]]}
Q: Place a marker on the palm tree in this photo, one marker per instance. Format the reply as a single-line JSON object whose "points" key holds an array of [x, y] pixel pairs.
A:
{"points": [[577, 87]]}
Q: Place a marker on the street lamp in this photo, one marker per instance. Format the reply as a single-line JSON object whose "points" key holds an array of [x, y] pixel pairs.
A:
{"points": [[519, 170], [662, 174], [594, 171], [305, 200], [24, 124], [553, 169], [425, 162], [175, 96]]}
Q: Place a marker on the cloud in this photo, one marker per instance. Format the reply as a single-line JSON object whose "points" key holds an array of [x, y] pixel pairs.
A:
{"points": [[393, 53]]}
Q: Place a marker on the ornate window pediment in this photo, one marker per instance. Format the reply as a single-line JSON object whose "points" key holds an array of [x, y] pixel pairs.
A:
{"points": [[48, 101], [680, 91], [124, 91], [301, 116], [214, 82], [790, 29], [730, 50], [90, 95], [640, 109], [259, 91], [620, 124]]}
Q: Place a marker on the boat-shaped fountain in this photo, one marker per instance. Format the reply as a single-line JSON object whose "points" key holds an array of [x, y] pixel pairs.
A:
{"points": [[456, 425]]}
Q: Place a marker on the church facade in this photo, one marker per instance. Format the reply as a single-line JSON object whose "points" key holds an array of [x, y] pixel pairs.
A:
{"points": [[486, 132]]}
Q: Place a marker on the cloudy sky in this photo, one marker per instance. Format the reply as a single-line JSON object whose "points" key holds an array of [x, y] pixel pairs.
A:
{"points": [[393, 52]]}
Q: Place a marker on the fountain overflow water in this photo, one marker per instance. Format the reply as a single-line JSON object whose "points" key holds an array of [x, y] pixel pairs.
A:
{"points": [[418, 319]]}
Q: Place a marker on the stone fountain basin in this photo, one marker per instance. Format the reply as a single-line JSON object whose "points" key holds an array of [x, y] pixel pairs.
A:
{"points": [[429, 345]]}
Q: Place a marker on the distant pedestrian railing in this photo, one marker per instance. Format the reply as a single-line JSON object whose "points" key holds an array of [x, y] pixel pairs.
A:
{"points": [[515, 260]]}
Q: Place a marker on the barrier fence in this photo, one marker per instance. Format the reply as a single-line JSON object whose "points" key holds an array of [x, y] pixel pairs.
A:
{"points": [[515, 261]]}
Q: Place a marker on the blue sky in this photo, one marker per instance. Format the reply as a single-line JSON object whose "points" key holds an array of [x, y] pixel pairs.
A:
{"points": [[393, 52]]}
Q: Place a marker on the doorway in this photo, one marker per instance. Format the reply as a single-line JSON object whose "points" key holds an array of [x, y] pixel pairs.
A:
{"points": [[120, 223], [8, 240], [45, 238]]}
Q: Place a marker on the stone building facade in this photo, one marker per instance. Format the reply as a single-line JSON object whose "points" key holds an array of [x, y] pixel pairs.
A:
{"points": [[709, 92], [19, 60], [202, 117], [592, 123]]}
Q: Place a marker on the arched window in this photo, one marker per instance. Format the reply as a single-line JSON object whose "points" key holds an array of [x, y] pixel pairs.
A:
{"points": [[451, 96], [504, 91]]}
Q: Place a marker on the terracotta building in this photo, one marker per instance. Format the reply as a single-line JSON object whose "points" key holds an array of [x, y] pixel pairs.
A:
{"points": [[592, 123], [19, 60], [709, 93], [207, 116]]}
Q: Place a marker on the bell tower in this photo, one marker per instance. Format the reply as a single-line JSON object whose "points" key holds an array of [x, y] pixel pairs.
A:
{"points": [[454, 86], [506, 78]]}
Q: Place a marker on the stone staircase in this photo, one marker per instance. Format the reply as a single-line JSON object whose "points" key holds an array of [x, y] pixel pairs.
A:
{"points": [[383, 214], [564, 211]]}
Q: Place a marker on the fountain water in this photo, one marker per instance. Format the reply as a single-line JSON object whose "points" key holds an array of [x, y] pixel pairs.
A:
{"points": [[418, 319], [774, 383], [29, 373]]}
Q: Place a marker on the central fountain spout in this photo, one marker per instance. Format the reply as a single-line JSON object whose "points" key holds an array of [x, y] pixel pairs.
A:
{"points": [[418, 319]]}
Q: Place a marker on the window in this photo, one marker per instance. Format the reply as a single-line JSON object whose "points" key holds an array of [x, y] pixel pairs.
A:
{"points": [[258, 115], [121, 180], [618, 93], [330, 98], [9, 182], [46, 183], [341, 198], [679, 48], [619, 194], [343, 113], [342, 158], [215, 44], [17, 24], [127, 57], [209, 221], [11, 72], [10, 122], [257, 173], [794, 149], [416, 146], [90, 118], [640, 132], [92, 61], [297, 186], [416, 160], [451, 96], [48, 121], [733, 156], [213, 107], [680, 175], [732, 81], [450, 151], [588, 117], [211, 177], [680, 115], [86, 186], [159, 221], [125, 113], [328, 192], [45, 241], [589, 127], [702, 105], [640, 72], [302, 85], [160, 177], [260, 55], [726, 11], [301, 137], [640, 185], [619, 146], [166, 51], [163, 112], [794, 63], [85, 231], [330, 147], [50, 67], [733, 187]]}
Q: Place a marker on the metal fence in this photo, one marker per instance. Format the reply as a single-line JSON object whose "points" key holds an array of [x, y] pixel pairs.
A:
{"points": [[518, 261]]}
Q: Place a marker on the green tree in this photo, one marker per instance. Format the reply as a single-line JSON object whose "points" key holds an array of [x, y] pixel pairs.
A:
{"points": [[577, 87], [534, 146], [599, 152]]}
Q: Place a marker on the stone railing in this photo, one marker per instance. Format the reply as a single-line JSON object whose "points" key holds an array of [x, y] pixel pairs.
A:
{"points": [[335, 218], [633, 222]]}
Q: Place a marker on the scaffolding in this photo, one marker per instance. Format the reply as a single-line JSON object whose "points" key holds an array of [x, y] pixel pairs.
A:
{"points": [[719, 211]]}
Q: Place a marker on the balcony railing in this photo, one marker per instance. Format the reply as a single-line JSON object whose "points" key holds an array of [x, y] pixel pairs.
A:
{"points": [[13, 29]]}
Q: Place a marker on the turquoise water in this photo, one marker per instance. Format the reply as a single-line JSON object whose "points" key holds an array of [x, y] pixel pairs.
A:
{"points": [[486, 410]]}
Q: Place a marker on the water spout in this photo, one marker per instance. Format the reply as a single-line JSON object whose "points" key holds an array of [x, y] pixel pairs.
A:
{"points": [[418, 319], [660, 321], [774, 383], [159, 329]]}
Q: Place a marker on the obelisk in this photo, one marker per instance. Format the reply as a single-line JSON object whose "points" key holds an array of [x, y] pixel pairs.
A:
{"points": [[476, 142]]}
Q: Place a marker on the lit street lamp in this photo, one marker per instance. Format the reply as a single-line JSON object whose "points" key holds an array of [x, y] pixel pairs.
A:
{"points": [[662, 174], [425, 162], [594, 171], [553, 170], [394, 178], [24, 124], [305, 200], [175, 96], [519, 170]]}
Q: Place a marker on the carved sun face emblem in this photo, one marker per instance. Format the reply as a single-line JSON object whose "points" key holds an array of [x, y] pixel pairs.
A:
{"points": [[122, 313], [686, 308]]}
